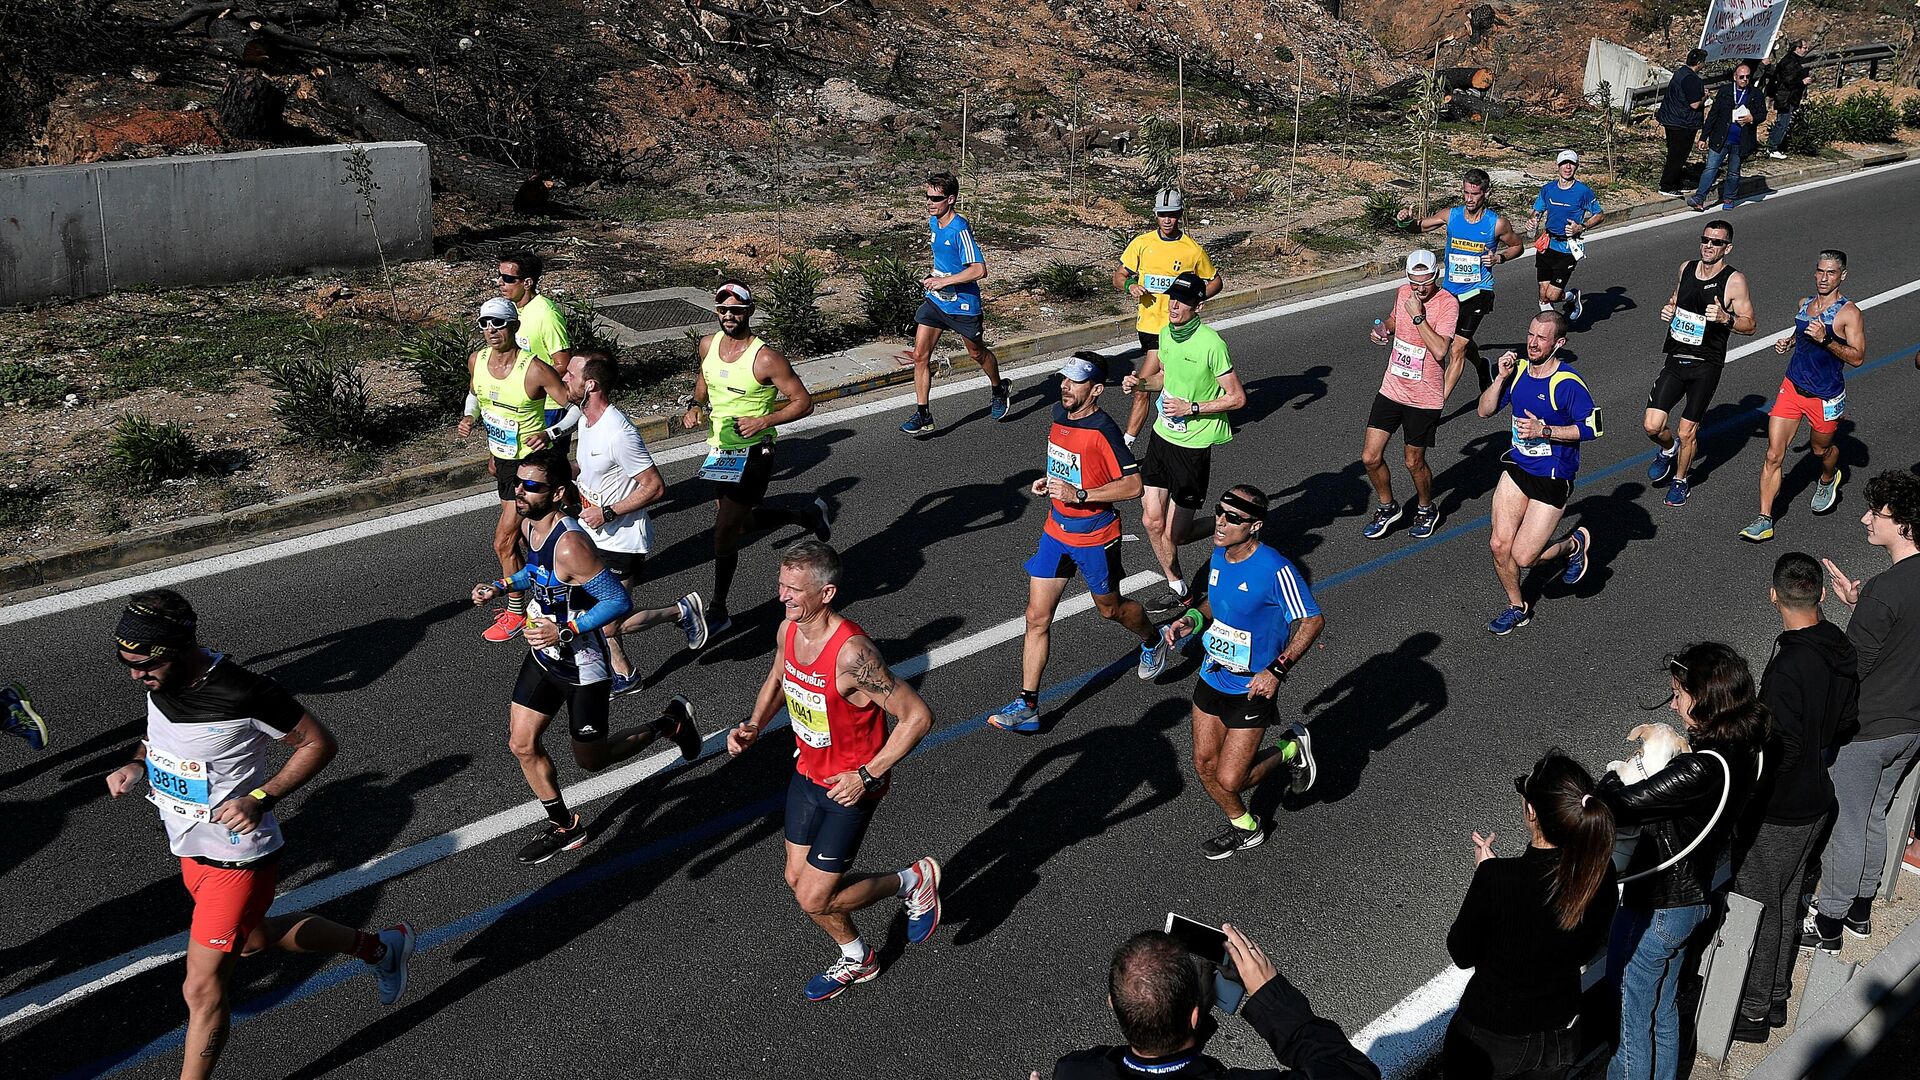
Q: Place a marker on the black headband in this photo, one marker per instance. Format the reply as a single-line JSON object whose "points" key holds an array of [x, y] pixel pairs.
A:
{"points": [[1242, 503], [145, 632]]}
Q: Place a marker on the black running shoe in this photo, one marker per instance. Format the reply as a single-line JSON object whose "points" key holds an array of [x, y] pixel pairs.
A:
{"points": [[1166, 604], [676, 723], [553, 840], [1234, 839]]}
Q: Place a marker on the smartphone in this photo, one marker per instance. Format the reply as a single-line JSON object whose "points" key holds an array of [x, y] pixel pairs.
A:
{"points": [[1209, 943]]}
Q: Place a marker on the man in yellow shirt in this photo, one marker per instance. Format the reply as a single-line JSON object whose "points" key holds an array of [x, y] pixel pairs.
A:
{"points": [[542, 332], [1147, 267]]}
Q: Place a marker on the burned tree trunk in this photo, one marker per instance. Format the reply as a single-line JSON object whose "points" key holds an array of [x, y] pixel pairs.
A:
{"points": [[250, 105]]}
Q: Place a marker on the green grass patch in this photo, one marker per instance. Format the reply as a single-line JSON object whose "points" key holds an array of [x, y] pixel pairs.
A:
{"points": [[198, 353], [22, 383], [1332, 239], [671, 206]]}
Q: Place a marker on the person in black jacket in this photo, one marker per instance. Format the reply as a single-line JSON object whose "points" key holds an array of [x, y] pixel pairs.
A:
{"points": [[1790, 79], [1730, 137], [1680, 113], [1527, 927], [1811, 689], [1153, 987], [1685, 813]]}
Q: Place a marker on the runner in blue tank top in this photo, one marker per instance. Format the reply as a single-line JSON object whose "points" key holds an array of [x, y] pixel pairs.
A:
{"points": [[1829, 336], [574, 597], [1257, 618], [1564, 210], [1478, 239]]}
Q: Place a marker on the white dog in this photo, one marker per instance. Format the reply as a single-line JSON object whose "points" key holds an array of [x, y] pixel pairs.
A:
{"points": [[1659, 743]]}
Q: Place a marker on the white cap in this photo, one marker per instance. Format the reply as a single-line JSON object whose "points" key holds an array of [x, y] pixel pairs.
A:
{"points": [[1566, 156], [1421, 264], [499, 307], [1168, 200], [735, 290]]}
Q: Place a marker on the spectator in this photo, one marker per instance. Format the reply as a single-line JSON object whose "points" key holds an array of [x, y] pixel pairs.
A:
{"points": [[1811, 690], [1789, 80], [1680, 113], [1685, 813], [1885, 631], [1527, 927], [1730, 137], [1153, 987]]}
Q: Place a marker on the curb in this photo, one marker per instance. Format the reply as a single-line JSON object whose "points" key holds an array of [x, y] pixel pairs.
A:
{"points": [[447, 477]]}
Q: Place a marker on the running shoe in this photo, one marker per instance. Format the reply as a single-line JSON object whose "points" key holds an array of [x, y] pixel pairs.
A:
{"points": [[506, 626], [1234, 839], [918, 424], [718, 622], [1859, 918], [1826, 495], [1693, 204], [553, 840], [676, 723], [1728, 205], [1577, 561], [20, 718], [1425, 520], [1303, 769], [1384, 515], [1018, 716], [823, 515], [1820, 932], [1678, 491], [1510, 620], [1661, 467], [1578, 306], [1153, 658], [1166, 604], [391, 969], [1760, 531], [842, 974], [692, 622], [626, 684], [1002, 401], [923, 903], [1751, 1029], [1776, 155]]}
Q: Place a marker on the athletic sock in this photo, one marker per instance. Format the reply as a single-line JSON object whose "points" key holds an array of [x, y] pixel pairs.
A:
{"points": [[1246, 822], [1031, 698], [924, 409], [1671, 450], [368, 947], [909, 881], [854, 950], [1289, 750], [517, 603], [1178, 586], [556, 809], [723, 569]]}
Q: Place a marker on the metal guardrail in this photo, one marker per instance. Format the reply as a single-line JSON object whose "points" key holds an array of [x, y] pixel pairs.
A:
{"points": [[1839, 59], [1854, 1019]]}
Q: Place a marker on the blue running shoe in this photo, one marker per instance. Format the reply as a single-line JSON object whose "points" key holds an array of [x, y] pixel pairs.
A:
{"points": [[1510, 620], [1425, 520], [20, 719], [842, 974], [1678, 491], [1002, 400], [1018, 716], [1825, 495], [692, 621], [1661, 467], [1577, 561], [923, 903], [1384, 515], [1153, 657], [919, 423], [626, 684], [391, 969]]}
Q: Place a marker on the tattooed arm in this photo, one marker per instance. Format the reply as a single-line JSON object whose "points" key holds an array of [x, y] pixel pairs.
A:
{"points": [[863, 677]]}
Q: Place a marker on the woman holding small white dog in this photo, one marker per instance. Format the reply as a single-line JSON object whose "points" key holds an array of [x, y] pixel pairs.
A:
{"points": [[1685, 813]]}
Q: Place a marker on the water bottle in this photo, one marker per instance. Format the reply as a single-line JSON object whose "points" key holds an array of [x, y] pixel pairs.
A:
{"points": [[1379, 331]]}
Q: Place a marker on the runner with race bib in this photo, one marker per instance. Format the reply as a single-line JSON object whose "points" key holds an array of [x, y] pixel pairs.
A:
{"points": [[1708, 303], [1421, 373], [1478, 239]]}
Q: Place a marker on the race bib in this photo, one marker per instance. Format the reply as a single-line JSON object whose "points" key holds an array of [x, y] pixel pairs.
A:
{"points": [[808, 711], [1689, 327], [1835, 407], [1156, 283], [535, 610], [178, 786], [1175, 424], [1409, 361], [1575, 248], [1229, 646], [1530, 447], [1063, 464], [726, 466], [1463, 269], [503, 437]]}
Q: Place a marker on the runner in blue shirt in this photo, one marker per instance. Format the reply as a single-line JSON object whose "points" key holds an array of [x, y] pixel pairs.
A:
{"points": [[1479, 238], [1562, 211], [952, 303], [1257, 619], [1552, 415]]}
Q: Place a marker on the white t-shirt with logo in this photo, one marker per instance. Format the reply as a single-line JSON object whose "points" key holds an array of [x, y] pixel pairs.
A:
{"points": [[611, 454]]}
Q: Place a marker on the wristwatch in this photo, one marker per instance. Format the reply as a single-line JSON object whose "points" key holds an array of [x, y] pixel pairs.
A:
{"points": [[1079, 495], [567, 635], [871, 781], [1418, 319]]}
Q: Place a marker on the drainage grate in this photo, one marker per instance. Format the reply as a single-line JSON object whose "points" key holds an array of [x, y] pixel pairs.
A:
{"points": [[656, 314]]}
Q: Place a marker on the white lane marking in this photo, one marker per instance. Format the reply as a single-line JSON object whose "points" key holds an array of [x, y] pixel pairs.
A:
{"points": [[113, 590], [1408, 1035]]}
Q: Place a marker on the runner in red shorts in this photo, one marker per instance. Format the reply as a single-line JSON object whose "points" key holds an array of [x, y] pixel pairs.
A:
{"points": [[210, 724]]}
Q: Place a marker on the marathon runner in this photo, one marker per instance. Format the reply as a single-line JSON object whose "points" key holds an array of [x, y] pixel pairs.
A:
{"points": [[210, 727], [1256, 621], [740, 380], [542, 330], [952, 303], [1829, 336], [1478, 239], [1413, 393], [21, 719], [1709, 302], [618, 481], [574, 598], [1552, 415], [838, 694], [510, 389], [1088, 470], [1147, 267], [1198, 387], [1564, 210]]}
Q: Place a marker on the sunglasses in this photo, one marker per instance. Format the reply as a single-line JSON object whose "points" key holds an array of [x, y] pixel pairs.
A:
{"points": [[511, 278], [731, 309], [495, 324], [536, 487], [938, 198], [145, 663], [1520, 784], [1232, 518], [1714, 241]]}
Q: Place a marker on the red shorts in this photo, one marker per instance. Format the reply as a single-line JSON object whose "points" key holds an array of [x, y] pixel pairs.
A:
{"points": [[228, 903], [1791, 404]]}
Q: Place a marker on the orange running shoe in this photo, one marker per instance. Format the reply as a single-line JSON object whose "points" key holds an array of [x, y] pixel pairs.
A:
{"points": [[506, 627]]}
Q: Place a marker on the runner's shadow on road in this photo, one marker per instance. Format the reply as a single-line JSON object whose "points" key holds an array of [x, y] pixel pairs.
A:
{"points": [[1598, 307], [1266, 395], [112, 743], [1360, 713], [1303, 511], [355, 657], [1101, 778], [695, 550], [1725, 432], [889, 560], [1614, 520], [1471, 478]]}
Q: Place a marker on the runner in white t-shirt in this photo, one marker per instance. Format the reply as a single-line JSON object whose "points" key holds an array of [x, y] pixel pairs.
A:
{"points": [[618, 481]]}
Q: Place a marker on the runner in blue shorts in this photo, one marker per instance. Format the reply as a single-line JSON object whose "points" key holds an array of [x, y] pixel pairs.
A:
{"points": [[952, 303]]}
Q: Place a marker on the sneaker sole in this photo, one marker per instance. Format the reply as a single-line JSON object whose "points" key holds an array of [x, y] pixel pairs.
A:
{"points": [[825, 532], [1759, 539], [1024, 727], [699, 608], [1383, 528], [935, 864], [1510, 629], [692, 747], [1259, 838], [1305, 742], [1147, 674], [408, 939], [1586, 552]]}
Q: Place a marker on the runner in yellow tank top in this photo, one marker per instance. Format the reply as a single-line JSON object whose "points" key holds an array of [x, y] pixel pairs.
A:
{"points": [[511, 392], [741, 381]]}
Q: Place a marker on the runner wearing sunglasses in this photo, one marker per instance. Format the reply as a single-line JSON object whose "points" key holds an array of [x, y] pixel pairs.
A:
{"points": [[510, 392], [1708, 303], [952, 303], [574, 596], [1257, 620]]}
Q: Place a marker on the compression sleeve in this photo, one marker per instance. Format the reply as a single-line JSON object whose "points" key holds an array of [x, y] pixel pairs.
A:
{"points": [[610, 602], [521, 579], [472, 407], [568, 420]]}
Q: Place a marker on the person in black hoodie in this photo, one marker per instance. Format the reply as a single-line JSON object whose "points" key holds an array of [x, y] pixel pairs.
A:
{"points": [[1811, 688], [1685, 813], [1788, 81]]}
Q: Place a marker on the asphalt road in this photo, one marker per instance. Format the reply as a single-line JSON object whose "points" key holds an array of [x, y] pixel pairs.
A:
{"points": [[670, 947]]}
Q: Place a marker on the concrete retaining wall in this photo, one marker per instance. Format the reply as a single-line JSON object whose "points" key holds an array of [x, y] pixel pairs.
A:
{"points": [[79, 230], [1620, 68]]}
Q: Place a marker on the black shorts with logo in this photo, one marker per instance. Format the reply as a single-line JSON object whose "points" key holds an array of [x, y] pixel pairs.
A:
{"points": [[1540, 489], [930, 314], [1555, 267], [1695, 380], [1239, 711], [587, 706], [1390, 416], [1184, 471], [1472, 310]]}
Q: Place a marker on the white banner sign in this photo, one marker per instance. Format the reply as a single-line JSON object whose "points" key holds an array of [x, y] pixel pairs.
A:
{"points": [[1741, 29]]}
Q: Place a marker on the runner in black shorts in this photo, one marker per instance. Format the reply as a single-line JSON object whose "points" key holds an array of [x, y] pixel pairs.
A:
{"points": [[1708, 303]]}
